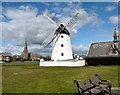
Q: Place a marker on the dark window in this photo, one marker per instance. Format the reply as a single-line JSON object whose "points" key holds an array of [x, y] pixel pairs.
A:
{"points": [[62, 36], [62, 45], [62, 54]]}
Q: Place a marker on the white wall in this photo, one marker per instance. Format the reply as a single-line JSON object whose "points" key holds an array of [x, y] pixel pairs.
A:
{"points": [[0, 57], [66, 49], [63, 63]]}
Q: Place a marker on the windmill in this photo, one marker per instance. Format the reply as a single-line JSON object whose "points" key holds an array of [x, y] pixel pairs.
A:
{"points": [[62, 49]]}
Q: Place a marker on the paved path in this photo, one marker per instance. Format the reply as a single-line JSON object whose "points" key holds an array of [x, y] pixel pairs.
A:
{"points": [[115, 92]]}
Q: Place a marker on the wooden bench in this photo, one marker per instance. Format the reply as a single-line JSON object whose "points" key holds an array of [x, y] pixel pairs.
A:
{"points": [[104, 84], [93, 86]]}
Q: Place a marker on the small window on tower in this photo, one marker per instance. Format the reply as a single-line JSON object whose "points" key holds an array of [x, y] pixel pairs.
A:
{"points": [[62, 54], [62, 45], [62, 36]]}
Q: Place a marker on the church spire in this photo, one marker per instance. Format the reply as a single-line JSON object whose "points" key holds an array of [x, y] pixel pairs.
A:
{"points": [[26, 48], [115, 35], [25, 51]]}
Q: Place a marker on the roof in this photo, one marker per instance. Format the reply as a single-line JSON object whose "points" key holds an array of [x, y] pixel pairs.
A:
{"points": [[62, 30], [103, 49]]}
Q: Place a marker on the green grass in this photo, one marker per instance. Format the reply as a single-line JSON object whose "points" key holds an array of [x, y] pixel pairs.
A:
{"points": [[30, 78]]}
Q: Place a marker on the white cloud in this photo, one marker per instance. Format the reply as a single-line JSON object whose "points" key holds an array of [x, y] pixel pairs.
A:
{"points": [[24, 22], [114, 20], [84, 16], [23, 13], [40, 50], [17, 50], [34, 48], [71, 9], [81, 49], [110, 8]]}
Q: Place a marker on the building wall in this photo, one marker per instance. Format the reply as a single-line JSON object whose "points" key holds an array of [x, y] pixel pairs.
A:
{"points": [[0, 57], [94, 61], [62, 49]]}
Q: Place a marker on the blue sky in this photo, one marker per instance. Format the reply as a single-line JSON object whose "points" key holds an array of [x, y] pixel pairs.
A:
{"points": [[22, 20]]}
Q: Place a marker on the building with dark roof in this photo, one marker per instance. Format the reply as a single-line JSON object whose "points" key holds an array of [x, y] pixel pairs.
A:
{"points": [[5, 57], [104, 53]]}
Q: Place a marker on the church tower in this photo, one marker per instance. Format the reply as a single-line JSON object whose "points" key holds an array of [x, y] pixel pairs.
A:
{"points": [[115, 35], [25, 51]]}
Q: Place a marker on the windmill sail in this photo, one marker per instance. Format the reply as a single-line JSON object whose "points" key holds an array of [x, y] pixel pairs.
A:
{"points": [[60, 29], [49, 39], [5, 17], [52, 18], [72, 22]]}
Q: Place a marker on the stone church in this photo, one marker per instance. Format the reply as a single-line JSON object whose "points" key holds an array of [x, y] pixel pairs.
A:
{"points": [[25, 51], [104, 53]]}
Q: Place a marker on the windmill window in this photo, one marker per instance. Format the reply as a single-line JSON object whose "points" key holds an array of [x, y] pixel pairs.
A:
{"points": [[62, 54], [62, 45], [62, 36]]}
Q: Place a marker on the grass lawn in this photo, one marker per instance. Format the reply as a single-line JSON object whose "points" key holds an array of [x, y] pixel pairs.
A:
{"points": [[30, 78]]}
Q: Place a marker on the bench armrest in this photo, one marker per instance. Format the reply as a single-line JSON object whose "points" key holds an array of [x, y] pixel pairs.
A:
{"points": [[105, 81], [78, 87], [77, 83], [102, 79]]}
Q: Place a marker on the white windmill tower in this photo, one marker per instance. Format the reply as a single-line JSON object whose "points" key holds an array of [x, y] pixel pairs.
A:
{"points": [[62, 49]]}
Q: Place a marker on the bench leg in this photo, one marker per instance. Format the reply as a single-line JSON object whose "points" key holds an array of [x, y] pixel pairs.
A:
{"points": [[79, 92], [107, 91], [110, 90], [101, 93]]}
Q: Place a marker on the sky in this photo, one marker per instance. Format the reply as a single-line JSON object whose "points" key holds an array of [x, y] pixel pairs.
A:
{"points": [[21, 20]]}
